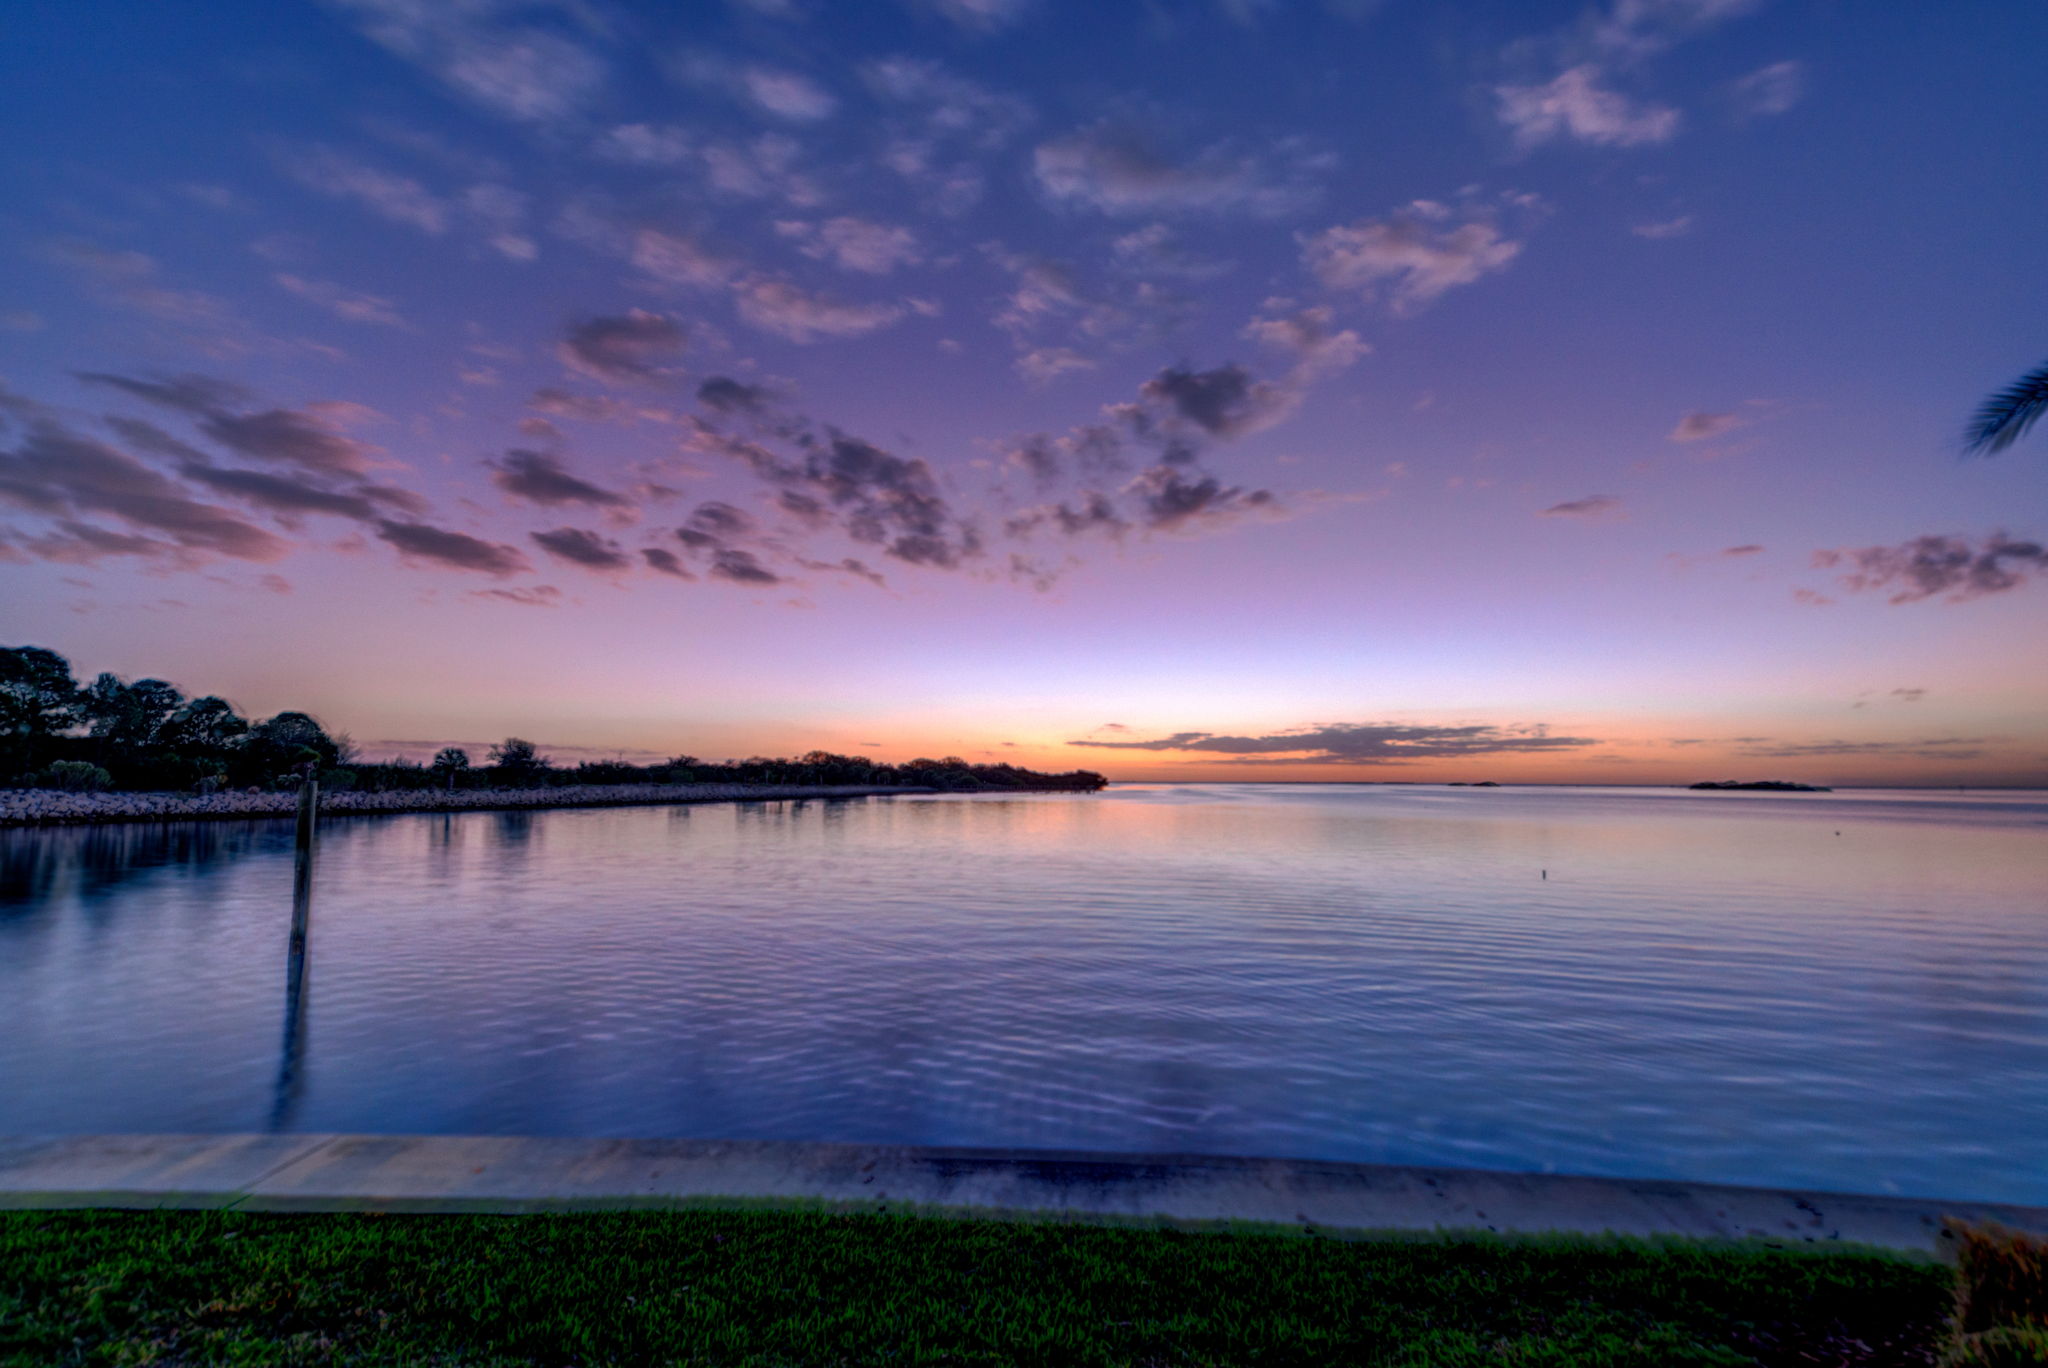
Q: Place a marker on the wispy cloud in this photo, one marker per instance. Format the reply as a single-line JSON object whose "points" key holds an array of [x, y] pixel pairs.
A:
{"points": [[342, 302], [1592, 506], [522, 71], [1360, 743], [1770, 90]]}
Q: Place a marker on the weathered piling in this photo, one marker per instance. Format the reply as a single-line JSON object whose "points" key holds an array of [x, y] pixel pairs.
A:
{"points": [[302, 870], [284, 1103]]}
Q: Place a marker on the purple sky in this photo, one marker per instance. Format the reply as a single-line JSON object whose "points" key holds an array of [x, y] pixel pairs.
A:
{"points": [[1229, 388]]}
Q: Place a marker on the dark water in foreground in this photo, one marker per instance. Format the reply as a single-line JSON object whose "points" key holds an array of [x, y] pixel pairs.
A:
{"points": [[1845, 991]]}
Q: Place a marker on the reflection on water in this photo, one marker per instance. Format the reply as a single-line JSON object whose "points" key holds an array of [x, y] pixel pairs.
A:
{"points": [[1843, 991]]}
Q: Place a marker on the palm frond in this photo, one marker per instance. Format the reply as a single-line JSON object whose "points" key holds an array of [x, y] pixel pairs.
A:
{"points": [[2002, 419]]}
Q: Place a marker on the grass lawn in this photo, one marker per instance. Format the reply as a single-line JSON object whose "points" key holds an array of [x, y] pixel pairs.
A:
{"points": [[92, 1287]]}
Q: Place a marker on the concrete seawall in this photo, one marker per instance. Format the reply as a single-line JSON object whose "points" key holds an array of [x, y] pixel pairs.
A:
{"points": [[513, 1174]]}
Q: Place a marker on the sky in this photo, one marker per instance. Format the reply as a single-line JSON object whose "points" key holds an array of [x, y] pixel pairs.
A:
{"points": [[1225, 389]]}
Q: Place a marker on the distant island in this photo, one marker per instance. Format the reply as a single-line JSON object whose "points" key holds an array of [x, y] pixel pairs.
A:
{"points": [[1761, 786], [146, 736]]}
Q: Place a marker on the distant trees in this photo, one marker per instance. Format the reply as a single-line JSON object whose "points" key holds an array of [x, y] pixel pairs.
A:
{"points": [[148, 735], [143, 734], [38, 701], [518, 762]]}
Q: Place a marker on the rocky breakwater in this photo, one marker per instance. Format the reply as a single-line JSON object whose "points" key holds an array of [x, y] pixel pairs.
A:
{"points": [[52, 807]]}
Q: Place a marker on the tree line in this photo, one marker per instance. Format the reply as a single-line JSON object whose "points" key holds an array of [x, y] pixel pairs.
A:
{"points": [[145, 734]]}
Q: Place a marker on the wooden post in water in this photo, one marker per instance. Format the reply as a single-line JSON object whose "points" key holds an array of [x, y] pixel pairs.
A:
{"points": [[285, 1102], [302, 872]]}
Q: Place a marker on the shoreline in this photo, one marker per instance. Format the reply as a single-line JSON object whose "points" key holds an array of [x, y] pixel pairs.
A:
{"points": [[26, 808], [469, 1173]]}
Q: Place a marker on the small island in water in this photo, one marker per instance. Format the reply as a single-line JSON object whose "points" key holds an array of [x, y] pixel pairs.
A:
{"points": [[1762, 786]]}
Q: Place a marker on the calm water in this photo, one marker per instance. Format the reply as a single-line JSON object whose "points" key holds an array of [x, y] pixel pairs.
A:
{"points": [[1845, 991]]}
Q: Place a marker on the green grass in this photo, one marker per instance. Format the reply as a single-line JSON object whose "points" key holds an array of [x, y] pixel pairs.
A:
{"points": [[95, 1287]]}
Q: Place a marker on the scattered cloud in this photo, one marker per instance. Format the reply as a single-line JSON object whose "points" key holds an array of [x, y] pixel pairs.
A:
{"points": [[57, 472], [538, 478], [1665, 228], [980, 16], [1768, 91], [1951, 567], [776, 306], [788, 94], [737, 566], [522, 71], [453, 550], [1042, 365], [1698, 426], [855, 244], [1121, 170], [584, 548], [623, 349], [666, 562], [1411, 257], [1575, 105], [675, 259]]}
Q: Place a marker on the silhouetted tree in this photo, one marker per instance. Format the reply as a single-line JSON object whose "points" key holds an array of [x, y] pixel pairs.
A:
{"points": [[284, 744], [2005, 417], [38, 701], [128, 719], [205, 726], [518, 760]]}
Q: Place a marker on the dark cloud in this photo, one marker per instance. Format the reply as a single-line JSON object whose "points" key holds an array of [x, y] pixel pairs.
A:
{"points": [[847, 566], [539, 478], [629, 348], [721, 520], [803, 507], [1090, 511], [1945, 565], [456, 550], [55, 471], [1747, 549], [724, 395], [1698, 427], [1224, 402], [665, 561], [1168, 499], [741, 567], [306, 437], [199, 394], [586, 549], [282, 494], [1362, 743], [1592, 506]]}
